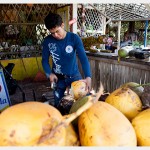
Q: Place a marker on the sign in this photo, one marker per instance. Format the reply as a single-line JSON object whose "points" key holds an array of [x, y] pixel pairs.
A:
{"points": [[4, 95]]}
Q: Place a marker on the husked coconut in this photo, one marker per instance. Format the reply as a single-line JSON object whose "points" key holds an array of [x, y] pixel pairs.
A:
{"points": [[78, 89]]}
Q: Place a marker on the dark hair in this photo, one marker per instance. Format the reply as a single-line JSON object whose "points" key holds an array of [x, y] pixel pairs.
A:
{"points": [[53, 20]]}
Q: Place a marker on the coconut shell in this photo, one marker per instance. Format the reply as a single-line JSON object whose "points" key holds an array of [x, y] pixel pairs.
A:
{"points": [[72, 136], [141, 124], [65, 104], [125, 100], [104, 125], [26, 123], [78, 89]]}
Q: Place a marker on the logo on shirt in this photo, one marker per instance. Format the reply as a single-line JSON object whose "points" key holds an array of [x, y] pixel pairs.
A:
{"points": [[69, 49], [55, 57]]}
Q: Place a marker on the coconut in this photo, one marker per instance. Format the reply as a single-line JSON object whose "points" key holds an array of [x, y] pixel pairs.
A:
{"points": [[122, 53], [125, 100], [30, 123], [78, 89], [141, 124], [39, 124], [104, 125]]}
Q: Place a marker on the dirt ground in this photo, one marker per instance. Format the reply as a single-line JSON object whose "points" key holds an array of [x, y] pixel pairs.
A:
{"points": [[32, 91]]}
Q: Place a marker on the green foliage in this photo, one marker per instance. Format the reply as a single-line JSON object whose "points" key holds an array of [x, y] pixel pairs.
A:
{"points": [[137, 43]]}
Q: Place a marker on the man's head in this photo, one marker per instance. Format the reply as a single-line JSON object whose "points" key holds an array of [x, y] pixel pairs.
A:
{"points": [[55, 25]]}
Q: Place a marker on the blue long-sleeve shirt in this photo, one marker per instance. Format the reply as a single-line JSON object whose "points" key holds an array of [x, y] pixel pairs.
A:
{"points": [[63, 54]]}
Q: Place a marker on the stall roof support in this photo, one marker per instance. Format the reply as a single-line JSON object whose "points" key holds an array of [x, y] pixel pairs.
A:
{"points": [[145, 34]]}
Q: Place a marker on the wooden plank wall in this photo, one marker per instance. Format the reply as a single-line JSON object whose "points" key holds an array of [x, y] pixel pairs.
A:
{"points": [[113, 74]]}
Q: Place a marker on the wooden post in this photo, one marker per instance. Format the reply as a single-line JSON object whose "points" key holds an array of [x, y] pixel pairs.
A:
{"points": [[83, 27], [145, 34], [74, 10]]}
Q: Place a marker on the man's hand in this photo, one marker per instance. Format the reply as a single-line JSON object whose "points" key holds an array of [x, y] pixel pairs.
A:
{"points": [[87, 80], [88, 84], [53, 78]]}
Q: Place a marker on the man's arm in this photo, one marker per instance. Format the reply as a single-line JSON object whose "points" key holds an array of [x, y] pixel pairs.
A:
{"points": [[45, 63], [84, 62], [45, 59]]}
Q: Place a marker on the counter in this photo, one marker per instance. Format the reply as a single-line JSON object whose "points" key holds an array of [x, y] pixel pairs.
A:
{"points": [[112, 74]]}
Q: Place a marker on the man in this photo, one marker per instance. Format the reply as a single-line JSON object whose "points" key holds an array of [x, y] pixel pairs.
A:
{"points": [[63, 46]]}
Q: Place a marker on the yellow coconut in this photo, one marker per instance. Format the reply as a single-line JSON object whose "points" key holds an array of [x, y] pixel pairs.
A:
{"points": [[29, 123], [78, 89], [104, 125], [125, 100], [72, 137], [141, 124]]}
